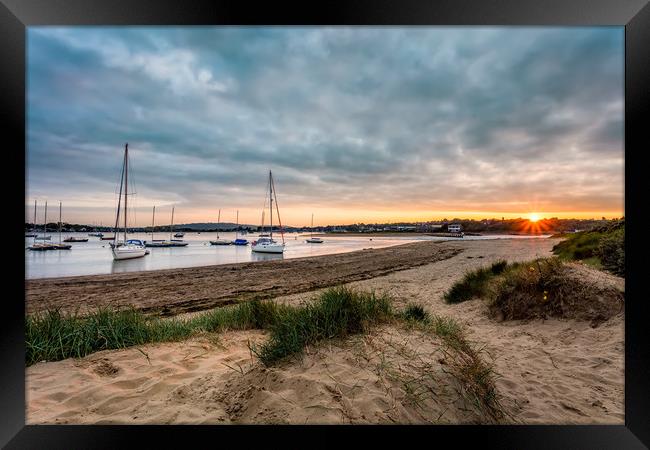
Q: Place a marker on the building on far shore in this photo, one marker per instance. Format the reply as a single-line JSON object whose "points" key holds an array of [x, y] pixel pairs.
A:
{"points": [[455, 228]]}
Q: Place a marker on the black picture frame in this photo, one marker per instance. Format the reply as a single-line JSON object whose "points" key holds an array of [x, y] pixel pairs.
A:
{"points": [[634, 15]]}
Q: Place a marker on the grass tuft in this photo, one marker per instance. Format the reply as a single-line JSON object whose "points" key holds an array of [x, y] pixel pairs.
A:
{"points": [[474, 283], [416, 313], [337, 312]]}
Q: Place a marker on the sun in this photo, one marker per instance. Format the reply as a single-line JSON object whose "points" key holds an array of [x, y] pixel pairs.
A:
{"points": [[533, 217]]}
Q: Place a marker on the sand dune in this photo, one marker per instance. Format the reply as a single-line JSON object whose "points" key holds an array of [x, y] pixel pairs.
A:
{"points": [[551, 371]]}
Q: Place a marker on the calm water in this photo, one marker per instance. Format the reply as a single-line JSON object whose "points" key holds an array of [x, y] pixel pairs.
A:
{"points": [[94, 257]]}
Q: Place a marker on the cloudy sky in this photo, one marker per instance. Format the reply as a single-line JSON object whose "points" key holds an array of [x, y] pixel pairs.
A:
{"points": [[358, 124]]}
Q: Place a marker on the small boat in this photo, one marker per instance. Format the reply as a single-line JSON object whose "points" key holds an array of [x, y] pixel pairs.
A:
{"points": [[163, 243], [40, 246], [107, 238], [128, 248], [44, 237], [96, 234], [237, 240], [60, 246], [179, 234], [312, 239], [75, 239], [265, 243], [220, 241]]}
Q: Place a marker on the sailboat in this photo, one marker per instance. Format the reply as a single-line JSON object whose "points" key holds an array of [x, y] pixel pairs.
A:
{"points": [[41, 246], [238, 241], [265, 243], [60, 245], [32, 232], [175, 242], [45, 237], [312, 239], [129, 248], [220, 241], [155, 242]]}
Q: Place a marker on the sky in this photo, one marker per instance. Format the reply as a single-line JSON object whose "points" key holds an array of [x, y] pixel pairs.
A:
{"points": [[358, 124]]}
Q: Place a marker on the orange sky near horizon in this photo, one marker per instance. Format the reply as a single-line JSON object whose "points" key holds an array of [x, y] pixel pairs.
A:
{"points": [[292, 216]]}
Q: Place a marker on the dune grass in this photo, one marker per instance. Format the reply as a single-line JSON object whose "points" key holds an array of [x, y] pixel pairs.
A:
{"points": [[337, 312], [474, 283], [52, 336], [334, 313], [602, 248], [463, 359]]}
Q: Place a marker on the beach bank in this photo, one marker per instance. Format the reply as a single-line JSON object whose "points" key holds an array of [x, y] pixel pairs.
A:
{"points": [[548, 371], [175, 291]]}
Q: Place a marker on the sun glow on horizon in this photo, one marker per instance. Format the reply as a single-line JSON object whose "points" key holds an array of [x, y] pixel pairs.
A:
{"points": [[534, 217]]}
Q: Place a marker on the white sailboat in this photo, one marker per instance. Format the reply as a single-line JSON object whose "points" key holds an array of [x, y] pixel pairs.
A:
{"points": [[266, 244], [220, 241], [238, 241], [45, 237], [126, 249], [312, 239]]}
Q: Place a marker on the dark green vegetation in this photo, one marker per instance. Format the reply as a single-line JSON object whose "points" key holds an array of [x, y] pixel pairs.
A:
{"points": [[541, 288], [338, 312], [474, 283], [602, 247]]}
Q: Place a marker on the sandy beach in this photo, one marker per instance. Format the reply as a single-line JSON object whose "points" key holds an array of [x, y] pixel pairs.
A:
{"points": [[554, 371]]}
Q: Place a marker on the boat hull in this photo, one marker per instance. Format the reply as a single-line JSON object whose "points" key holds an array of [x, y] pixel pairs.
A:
{"points": [[220, 242], [128, 252], [268, 248], [41, 247], [314, 241]]}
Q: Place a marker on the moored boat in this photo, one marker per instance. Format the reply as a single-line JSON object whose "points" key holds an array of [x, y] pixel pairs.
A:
{"points": [[312, 239], [265, 243], [128, 248], [220, 241], [238, 240], [75, 239]]}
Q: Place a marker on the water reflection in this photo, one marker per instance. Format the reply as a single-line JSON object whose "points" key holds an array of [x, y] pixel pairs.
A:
{"points": [[94, 256], [266, 256]]}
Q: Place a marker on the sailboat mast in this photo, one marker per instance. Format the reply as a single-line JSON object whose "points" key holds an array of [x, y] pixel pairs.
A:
{"points": [[237, 226], [153, 221], [59, 222], [311, 235], [126, 185], [119, 202], [171, 226], [218, 222], [45, 220], [271, 202], [34, 228]]}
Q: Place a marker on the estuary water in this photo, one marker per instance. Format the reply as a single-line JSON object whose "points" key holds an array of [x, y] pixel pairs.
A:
{"points": [[94, 257]]}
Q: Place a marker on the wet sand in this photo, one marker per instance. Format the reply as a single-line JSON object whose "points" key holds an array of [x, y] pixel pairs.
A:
{"points": [[549, 371], [170, 292]]}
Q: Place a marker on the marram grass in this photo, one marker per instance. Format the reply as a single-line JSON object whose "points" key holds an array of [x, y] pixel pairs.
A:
{"points": [[334, 313], [52, 336]]}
